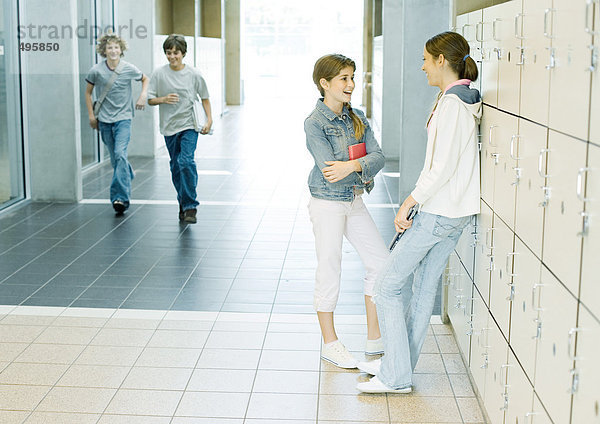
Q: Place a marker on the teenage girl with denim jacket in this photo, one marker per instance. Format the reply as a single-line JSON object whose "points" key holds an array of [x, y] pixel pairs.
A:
{"points": [[448, 194], [336, 209]]}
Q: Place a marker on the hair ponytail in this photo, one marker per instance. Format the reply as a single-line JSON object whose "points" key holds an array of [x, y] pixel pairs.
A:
{"points": [[470, 70], [357, 123], [455, 49]]}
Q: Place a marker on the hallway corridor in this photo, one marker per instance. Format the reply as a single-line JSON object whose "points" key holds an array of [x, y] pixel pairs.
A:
{"points": [[141, 319]]}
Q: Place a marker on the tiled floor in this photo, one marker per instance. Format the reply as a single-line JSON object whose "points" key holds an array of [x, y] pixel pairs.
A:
{"points": [[139, 319]]}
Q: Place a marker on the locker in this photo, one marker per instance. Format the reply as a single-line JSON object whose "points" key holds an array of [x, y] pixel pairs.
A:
{"points": [[569, 78], [489, 155], [595, 64], [490, 52], [479, 362], [519, 393], [554, 363], [465, 249], [586, 396], [501, 289], [471, 29], [494, 398], [506, 172], [509, 33], [563, 221], [531, 192], [535, 73], [590, 289], [484, 260], [524, 330], [459, 303]]}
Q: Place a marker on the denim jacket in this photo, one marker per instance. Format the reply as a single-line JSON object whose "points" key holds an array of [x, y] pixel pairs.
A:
{"points": [[327, 138]]}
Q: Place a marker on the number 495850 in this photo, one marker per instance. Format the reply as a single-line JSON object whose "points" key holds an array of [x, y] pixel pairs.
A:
{"points": [[40, 47]]}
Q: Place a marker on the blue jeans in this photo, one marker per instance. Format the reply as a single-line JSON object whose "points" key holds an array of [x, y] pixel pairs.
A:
{"points": [[181, 147], [422, 251], [115, 136]]}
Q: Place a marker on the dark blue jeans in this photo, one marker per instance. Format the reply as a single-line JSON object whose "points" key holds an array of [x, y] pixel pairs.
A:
{"points": [[181, 147], [115, 136]]}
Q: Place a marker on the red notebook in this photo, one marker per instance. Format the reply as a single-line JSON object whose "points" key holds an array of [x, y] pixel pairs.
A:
{"points": [[357, 151]]}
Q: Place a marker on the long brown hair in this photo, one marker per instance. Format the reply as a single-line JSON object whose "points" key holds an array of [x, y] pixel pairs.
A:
{"points": [[328, 67], [455, 49]]}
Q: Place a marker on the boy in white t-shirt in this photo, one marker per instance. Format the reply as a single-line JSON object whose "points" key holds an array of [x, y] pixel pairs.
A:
{"points": [[174, 87]]}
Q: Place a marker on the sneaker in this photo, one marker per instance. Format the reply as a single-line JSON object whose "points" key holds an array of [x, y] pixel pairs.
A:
{"points": [[189, 216], [374, 385], [374, 347], [338, 355], [370, 367], [119, 206], [181, 214]]}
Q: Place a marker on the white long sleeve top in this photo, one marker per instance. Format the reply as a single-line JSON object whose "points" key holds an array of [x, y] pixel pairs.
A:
{"points": [[449, 182]]}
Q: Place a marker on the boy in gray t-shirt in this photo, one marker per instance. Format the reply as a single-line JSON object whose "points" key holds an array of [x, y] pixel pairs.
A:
{"points": [[175, 87], [114, 116]]}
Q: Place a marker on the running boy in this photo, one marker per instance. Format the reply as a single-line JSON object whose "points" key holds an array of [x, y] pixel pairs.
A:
{"points": [[113, 111], [175, 87]]}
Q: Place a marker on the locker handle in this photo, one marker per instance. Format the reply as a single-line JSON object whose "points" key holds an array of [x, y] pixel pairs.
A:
{"points": [[462, 30], [570, 343], [504, 379], [533, 293], [477, 26], [494, 22], [518, 172], [487, 238], [521, 61], [547, 33], [509, 257], [528, 415], [586, 224], [580, 195], [538, 329], [520, 37], [541, 163], [589, 4], [512, 146], [479, 341], [490, 134]]}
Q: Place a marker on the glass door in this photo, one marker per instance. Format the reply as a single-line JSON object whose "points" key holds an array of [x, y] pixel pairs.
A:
{"points": [[12, 179]]}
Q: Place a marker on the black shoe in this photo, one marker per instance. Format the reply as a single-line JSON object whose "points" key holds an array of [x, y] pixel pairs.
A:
{"points": [[181, 214], [120, 207], [190, 216]]}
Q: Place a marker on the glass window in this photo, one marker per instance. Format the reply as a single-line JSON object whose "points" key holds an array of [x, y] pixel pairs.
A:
{"points": [[11, 145]]}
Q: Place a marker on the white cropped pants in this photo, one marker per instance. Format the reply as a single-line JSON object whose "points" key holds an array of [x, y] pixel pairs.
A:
{"points": [[332, 220]]}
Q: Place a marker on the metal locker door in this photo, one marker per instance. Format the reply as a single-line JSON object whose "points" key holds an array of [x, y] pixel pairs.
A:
{"points": [[519, 393], [475, 24], [465, 249], [525, 330], [586, 396], [535, 74], [510, 34], [563, 221], [590, 289], [479, 362], [488, 152], [490, 51], [553, 377], [494, 397], [531, 192], [505, 174], [501, 290], [569, 78], [484, 248]]}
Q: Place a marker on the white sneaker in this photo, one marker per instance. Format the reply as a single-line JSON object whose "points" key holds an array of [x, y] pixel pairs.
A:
{"points": [[338, 355], [370, 367], [375, 385], [374, 347]]}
